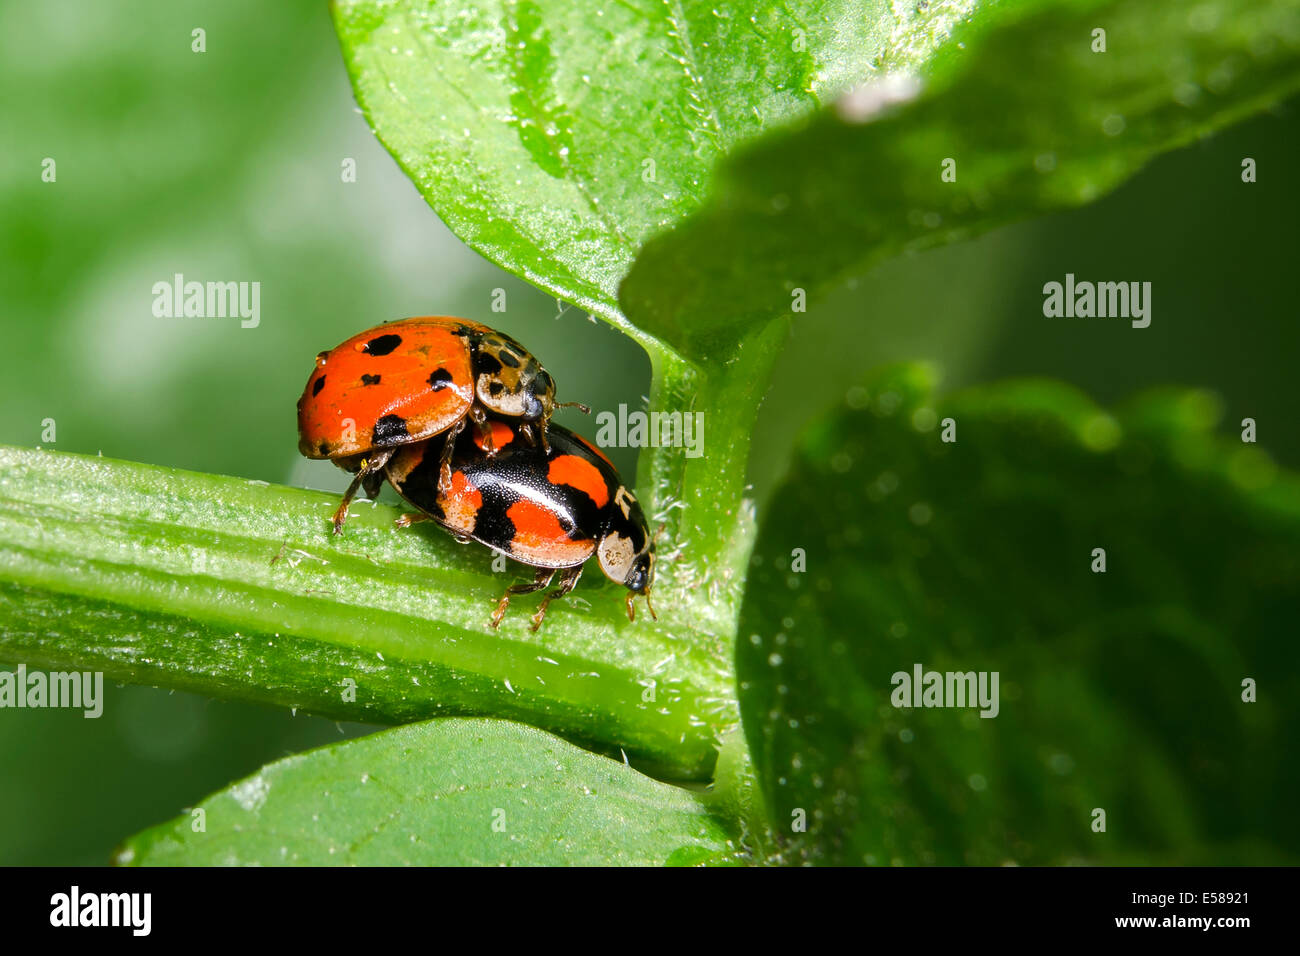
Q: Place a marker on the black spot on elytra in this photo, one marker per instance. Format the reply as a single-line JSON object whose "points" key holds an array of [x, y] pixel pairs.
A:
{"points": [[509, 358], [420, 485], [439, 379], [382, 345], [496, 388], [315, 389], [323, 449], [369, 379], [491, 524], [390, 430]]}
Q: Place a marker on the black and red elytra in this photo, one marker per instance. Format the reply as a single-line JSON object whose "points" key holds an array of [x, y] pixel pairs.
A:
{"points": [[551, 508], [410, 380]]}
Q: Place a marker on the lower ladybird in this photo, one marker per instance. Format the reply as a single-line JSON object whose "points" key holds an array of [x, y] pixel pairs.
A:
{"points": [[551, 508]]}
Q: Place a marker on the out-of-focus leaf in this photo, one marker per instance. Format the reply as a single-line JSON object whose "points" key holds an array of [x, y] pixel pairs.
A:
{"points": [[1030, 117], [1120, 691]]}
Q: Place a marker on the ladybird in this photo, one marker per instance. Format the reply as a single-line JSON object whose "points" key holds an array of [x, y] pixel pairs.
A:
{"points": [[410, 380], [551, 508]]}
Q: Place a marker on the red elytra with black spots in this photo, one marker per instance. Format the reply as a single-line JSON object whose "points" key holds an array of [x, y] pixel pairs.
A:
{"points": [[410, 380], [552, 508]]}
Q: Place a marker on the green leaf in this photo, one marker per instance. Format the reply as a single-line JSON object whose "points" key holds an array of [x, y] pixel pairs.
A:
{"points": [[1120, 690], [236, 588], [1032, 117], [556, 139], [442, 793], [529, 129]]}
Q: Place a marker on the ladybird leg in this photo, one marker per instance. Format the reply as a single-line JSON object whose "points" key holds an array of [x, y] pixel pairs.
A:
{"points": [[567, 584], [410, 518], [540, 580], [341, 514], [373, 483], [631, 608], [535, 433], [485, 440], [531, 433], [444, 460], [371, 475]]}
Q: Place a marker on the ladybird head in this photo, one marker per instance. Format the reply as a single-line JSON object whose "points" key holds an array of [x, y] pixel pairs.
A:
{"points": [[509, 381], [629, 559], [639, 581], [642, 573]]}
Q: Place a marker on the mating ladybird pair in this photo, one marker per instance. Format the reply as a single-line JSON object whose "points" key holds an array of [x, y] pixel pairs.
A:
{"points": [[456, 416]]}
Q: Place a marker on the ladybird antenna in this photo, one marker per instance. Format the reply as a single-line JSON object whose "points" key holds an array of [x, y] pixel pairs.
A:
{"points": [[650, 607], [631, 611], [586, 409]]}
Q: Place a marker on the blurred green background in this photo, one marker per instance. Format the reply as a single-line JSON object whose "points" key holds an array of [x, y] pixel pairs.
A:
{"points": [[226, 165]]}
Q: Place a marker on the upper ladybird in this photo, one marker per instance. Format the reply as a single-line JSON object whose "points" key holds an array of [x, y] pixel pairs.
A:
{"points": [[410, 380]]}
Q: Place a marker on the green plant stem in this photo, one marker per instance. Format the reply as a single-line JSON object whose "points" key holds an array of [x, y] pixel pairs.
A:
{"points": [[236, 589], [708, 522]]}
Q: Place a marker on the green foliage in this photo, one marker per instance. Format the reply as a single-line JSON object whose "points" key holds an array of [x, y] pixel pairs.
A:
{"points": [[860, 179], [1119, 690], [442, 793], [557, 139], [237, 589], [680, 170]]}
